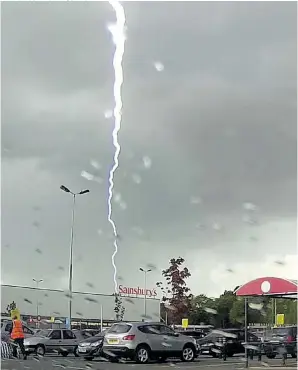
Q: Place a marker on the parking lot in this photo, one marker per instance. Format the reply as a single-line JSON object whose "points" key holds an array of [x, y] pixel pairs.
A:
{"points": [[55, 362]]}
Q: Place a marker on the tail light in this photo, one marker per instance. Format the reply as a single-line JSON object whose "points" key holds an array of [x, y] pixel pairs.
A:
{"points": [[290, 339], [129, 337]]}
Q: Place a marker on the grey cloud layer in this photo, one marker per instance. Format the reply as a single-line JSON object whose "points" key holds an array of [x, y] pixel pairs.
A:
{"points": [[219, 122]]}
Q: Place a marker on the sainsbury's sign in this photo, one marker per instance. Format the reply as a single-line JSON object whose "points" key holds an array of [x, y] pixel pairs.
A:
{"points": [[137, 291]]}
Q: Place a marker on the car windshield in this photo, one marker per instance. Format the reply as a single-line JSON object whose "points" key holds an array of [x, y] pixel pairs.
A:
{"points": [[194, 334], [100, 334], [43, 333], [281, 332], [119, 328], [219, 333]]}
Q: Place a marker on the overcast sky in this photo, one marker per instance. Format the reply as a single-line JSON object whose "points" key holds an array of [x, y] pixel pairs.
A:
{"points": [[218, 124]]}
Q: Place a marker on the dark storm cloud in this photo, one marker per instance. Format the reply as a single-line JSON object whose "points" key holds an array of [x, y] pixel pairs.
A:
{"points": [[218, 123]]}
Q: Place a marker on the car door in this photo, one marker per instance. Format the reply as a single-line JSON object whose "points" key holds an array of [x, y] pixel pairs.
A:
{"points": [[70, 340], [153, 337], [172, 341], [54, 342]]}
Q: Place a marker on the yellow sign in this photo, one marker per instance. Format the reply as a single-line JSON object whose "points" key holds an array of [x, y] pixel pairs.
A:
{"points": [[280, 319], [15, 313], [52, 319], [184, 323]]}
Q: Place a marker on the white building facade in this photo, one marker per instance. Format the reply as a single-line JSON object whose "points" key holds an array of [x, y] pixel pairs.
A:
{"points": [[88, 306]]}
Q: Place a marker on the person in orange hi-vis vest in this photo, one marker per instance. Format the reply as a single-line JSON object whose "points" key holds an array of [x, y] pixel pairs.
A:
{"points": [[17, 335]]}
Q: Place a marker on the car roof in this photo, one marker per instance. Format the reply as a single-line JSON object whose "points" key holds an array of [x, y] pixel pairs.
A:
{"points": [[138, 323]]}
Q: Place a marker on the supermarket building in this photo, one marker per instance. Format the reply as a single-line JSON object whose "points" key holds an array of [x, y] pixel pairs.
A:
{"points": [[50, 303]]}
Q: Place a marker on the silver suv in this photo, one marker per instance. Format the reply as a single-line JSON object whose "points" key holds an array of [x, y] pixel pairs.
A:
{"points": [[146, 341]]}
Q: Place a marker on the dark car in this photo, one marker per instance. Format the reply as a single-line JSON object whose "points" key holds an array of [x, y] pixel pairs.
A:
{"points": [[280, 339], [91, 347], [233, 339], [90, 332], [195, 334]]}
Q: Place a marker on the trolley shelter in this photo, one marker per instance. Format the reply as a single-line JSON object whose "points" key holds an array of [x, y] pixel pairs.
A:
{"points": [[271, 287]]}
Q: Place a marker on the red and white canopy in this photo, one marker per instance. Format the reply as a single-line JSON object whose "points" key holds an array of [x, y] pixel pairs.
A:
{"points": [[269, 286]]}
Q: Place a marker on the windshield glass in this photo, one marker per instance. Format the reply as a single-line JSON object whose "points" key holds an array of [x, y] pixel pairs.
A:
{"points": [[43, 333], [280, 332], [120, 328], [155, 144], [100, 334]]}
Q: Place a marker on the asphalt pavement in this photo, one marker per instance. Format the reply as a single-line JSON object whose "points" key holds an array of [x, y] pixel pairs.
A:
{"points": [[49, 363]]}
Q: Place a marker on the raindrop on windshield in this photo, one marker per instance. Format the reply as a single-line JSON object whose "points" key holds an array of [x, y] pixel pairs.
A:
{"points": [[147, 162], [136, 178], [195, 200], [108, 114], [159, 66], [123, 205], [249, 206], [95, 164], [117, 198]]}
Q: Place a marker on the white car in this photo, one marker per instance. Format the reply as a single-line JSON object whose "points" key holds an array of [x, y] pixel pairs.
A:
{"points": [[61, 341]]}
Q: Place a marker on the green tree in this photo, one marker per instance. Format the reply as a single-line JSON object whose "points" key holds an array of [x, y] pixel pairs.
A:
{"points": [[203, 310], [10, 307], [119, 309], [224, 305], [288, 307], [257, 311], [176, 293]]}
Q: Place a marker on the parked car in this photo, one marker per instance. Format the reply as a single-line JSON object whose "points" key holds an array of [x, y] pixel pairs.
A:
{"points": [[212, 343], [195, 334], [6, 328], [91, 347], [281, 338], [145, 341], [61, 341], [87, 333]]}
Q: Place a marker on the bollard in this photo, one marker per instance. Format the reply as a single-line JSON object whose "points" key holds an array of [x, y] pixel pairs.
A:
{"points": [[224, 352], [284, 358], [260, 352], [251, 354]]}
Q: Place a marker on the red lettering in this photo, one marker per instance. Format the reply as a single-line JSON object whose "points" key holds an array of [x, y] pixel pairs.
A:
{"points": [[137, 291]]}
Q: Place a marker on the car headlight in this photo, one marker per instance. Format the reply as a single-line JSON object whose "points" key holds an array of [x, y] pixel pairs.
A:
{"points": [[95, 344]]}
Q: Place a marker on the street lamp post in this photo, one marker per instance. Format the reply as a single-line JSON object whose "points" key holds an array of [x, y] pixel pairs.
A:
{"points": [[37, 281], [66, 190], [145, 286]]}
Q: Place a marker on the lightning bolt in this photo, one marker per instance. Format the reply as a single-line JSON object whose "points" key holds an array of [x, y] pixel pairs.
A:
{"points": [[118, 33]]}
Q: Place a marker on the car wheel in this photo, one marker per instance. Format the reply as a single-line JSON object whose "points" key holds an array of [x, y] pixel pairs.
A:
{"points": [[88, 358], [188, 354], [40, 350], [294, 355], [64, 354], [75, 352], [271, 355], [142, 355], [230, 354]]}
